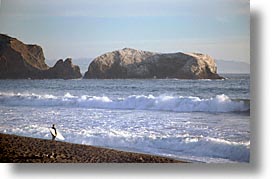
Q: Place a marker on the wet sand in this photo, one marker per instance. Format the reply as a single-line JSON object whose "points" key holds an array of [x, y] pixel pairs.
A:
{"points": [[18, 149]]}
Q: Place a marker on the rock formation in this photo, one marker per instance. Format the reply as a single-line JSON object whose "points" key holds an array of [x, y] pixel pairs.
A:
{"points": [[64, 69], [131, 63], [22, 61]]}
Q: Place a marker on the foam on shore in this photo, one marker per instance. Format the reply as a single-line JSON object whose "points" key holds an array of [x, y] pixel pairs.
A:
{"points": [[18, 149]]}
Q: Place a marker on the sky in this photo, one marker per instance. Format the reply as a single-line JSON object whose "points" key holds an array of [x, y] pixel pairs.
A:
{"points": [[89, 28]]}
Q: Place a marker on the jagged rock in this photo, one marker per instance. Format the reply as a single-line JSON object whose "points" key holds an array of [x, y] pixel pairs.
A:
{"points": [[131, 63], [22, 61], [64, 69]]}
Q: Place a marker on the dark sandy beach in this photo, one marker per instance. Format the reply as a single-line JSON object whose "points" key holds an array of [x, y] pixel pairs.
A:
{"points": [[18, 149]]}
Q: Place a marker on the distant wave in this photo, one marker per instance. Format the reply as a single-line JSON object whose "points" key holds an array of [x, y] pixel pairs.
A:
{"points": [[219, 103]]}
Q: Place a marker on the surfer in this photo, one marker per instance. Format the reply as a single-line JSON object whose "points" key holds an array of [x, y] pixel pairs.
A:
{"points": [[55, 132]]}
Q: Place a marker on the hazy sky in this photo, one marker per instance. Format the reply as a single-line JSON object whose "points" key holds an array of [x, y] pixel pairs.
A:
{"points": [[88, 28]]}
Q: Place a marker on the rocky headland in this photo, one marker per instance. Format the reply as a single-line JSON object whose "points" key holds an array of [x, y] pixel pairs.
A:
{"points": [[23, 61], [132, 63]]}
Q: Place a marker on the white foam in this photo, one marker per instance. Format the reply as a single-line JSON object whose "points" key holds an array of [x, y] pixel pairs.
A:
{"points": [[139, 131], [201, 147], [220, 103]]}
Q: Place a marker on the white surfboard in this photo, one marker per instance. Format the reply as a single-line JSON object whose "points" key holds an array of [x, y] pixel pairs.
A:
{"points": [[58, 135]]}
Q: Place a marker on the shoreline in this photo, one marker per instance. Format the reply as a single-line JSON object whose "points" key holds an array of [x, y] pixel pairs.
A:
{"points": [[19, 149]]}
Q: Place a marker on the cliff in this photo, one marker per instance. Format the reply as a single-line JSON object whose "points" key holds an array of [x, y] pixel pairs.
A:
{"points": [[22, 61], [131, 63]]}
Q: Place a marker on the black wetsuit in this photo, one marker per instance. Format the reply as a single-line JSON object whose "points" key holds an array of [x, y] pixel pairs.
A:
{"points": [[54, 136]]}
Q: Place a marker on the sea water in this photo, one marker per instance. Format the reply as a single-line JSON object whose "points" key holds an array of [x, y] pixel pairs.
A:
{"points": [[196, 120]]}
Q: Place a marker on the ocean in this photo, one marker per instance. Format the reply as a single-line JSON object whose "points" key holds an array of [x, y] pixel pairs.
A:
{"points": [[195, 120]]}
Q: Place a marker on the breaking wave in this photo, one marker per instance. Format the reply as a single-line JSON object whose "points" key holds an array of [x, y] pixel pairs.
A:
{"points": [[219, 103]]}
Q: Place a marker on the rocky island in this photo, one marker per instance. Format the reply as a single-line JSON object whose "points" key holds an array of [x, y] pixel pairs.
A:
{"points": [[64, 70], [22, 61], [132, 63]]}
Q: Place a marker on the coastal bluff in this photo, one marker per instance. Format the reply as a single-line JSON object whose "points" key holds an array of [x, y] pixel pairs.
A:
{"points": [[23, 61], [132, 63]]}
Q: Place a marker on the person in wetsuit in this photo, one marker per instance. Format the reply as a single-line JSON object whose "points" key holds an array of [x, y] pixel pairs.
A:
{"points": [[54, 136]]}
